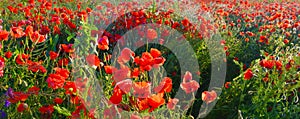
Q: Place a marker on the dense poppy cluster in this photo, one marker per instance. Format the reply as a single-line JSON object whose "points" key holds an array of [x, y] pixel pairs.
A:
{"points": [[142, 96], [38, 50]]}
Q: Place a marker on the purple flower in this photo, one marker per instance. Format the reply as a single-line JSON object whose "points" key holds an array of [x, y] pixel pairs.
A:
{"points": [[10, 93], [7, 103], [3, 115]]}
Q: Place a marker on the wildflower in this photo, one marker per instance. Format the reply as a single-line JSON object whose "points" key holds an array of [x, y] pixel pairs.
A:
{"points": [[55, 81], [121, 74], [53, 55], [109, 69], [209, 96], [68, 48], [58, 100], [93, 60], [164, 86], [70, 88], [47, 109], [248, 74], [125, 55], [116, 98], [155, 53], [3, 115], [8, 54], [141, 89], [36, 37], [33, 90], [189, 85], [62, 72], [172, 103], [103, 43], [63, 62], [269, 64], [17, 32], [36, 66], [156, 100], [22, 107], [6, 103], [22, 59], [227, 85], [151, 34], [142, 104], [125, 85], [3, 35]]}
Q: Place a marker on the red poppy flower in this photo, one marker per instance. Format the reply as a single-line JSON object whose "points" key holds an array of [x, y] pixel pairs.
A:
{"points": [[62, 72], [143, 104], [135, 73], [93, 60], [141, 89], [103, 43], [58, 100], [56, 30], [263, 39], [3, 35], [156, 100], [71, 25], [53, 55], [125, 85], [278, 65], [145, 60], [36, 37], [286, 41], [266, 78], [109, 69], [227, 85], [36, 66], [209, 96], [248, 74], [247, 39], [125, 55], [70, 88], [29, 30], [63, 62], [172, 103], [33, 90], [46, 109], [17, 32], [8, 54], [18, 96], [22, 59], [22, 107], [44, 30], [155, 53], [151, 34], [68, 48], [189, 85], [121, 74], [269, 64], [185, 22], [116, 98], [164, 86], [1, 59], [55, 81]]}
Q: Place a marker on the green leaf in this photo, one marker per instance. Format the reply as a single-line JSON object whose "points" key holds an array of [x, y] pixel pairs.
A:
{"points": [[62, 110]]}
